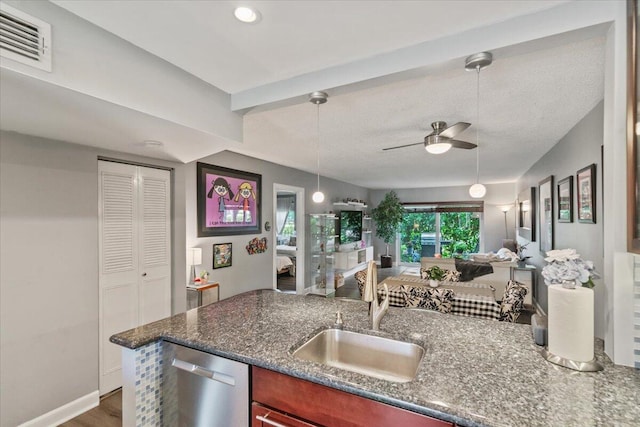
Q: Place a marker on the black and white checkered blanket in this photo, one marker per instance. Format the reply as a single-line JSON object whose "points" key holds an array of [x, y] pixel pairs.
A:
{"points": [[463, 304]]}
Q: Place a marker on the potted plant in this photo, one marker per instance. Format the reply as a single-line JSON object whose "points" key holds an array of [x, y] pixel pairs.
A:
{"points": [[435, 275], [387, 217]]}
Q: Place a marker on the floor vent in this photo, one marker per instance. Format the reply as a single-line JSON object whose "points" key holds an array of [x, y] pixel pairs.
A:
{"points": [[24, 39]]}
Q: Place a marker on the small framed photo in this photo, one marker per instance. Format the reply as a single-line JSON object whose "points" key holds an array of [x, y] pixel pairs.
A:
{"points": [[565, 199], [586, 183], [222, 255]]}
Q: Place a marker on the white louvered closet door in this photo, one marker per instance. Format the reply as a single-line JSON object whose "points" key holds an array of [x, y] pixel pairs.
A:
{"points": [[134, 256]]}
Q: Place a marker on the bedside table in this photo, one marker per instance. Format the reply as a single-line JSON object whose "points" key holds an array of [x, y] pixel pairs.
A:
{"points": [[199, 295]]}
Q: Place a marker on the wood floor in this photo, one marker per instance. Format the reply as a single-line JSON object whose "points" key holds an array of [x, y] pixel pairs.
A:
{"points": [[108, 414]]}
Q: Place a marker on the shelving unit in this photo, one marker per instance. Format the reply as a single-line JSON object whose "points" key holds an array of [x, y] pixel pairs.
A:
{"points": [[320, 262], [354, 204], [366, 230]]}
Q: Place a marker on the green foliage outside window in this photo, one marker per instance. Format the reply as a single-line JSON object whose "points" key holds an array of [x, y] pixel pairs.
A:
{"points": [[459, 233]]}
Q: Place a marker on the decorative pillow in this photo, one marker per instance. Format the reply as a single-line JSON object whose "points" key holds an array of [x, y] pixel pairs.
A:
{"points": [[361, 278], [449, 275], [511, 284], [512, 301], [428, 298]]}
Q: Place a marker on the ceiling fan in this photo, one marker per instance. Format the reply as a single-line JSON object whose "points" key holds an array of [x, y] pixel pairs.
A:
{"points": [[441, 139]]}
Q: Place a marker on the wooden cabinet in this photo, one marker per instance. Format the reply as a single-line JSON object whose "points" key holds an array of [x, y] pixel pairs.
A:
{"points": [[262, 416], [306, 403]]}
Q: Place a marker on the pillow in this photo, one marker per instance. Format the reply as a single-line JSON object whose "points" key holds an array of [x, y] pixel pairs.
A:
{"points": [[449, 275], [511, 284], [361, 278], [512, 301], [428, 298]]}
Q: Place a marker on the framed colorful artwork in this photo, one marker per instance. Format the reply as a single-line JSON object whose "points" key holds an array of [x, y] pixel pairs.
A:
{"points": [[228, 201], [545, 214], [586, 183], [565, 200], [222, 255]]}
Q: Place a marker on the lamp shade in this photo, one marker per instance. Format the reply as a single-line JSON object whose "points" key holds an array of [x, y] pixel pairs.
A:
{"points": [[194, 256]]}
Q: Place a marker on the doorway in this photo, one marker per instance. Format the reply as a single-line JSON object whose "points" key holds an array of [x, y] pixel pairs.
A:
{"points": [[288, 235]]}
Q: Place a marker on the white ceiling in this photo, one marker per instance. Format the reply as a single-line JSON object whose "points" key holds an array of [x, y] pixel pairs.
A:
{"points": [[530, 97]]}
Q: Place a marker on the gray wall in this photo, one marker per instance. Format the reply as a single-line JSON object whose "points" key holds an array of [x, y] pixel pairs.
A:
{"points": [[579, 148], [493, 230], [49, 271], [250, 272]]}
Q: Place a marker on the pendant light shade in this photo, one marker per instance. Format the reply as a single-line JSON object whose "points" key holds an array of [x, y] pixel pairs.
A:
{"points": [[476, 63], [318, 197], [318, 98], [477, 191]]}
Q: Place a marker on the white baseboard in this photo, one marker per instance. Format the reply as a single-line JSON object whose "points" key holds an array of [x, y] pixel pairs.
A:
{"points": [[66, 412]]}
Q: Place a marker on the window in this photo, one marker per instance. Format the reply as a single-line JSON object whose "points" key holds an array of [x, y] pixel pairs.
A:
{"points": [[450, 229]]}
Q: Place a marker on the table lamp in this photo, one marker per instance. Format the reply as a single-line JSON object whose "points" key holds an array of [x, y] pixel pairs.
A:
{"points": [[194, 257]]}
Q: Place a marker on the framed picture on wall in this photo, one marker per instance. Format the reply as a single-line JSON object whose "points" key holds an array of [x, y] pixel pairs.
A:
{"points": [[228, 201], [565, 200], [586, 183], [222, 255], [526, 205], [545, 213]]}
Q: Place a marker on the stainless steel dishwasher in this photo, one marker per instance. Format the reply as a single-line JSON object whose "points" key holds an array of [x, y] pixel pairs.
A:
{"points": [[200, 389]]}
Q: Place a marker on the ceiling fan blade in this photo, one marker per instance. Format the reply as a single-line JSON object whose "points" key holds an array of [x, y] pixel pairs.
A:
{"points": [[453, 130], [402, 146], [462, 144]]}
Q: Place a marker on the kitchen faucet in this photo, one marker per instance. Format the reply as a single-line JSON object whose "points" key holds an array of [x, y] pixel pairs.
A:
{"points": [[370, 294]]}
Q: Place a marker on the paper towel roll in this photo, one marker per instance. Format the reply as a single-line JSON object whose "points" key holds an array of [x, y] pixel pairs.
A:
{"points": [[571, 323]]}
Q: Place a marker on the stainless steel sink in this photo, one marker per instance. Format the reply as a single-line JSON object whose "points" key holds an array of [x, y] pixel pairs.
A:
{"points": [[378, 357]]}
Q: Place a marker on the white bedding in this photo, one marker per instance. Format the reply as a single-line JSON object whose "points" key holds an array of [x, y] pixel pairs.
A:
{"points": [[286, 250], [283, 262]]}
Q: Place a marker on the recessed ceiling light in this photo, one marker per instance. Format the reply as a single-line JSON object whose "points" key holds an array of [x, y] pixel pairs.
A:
{"points": [[152, 144], [247, 14]]}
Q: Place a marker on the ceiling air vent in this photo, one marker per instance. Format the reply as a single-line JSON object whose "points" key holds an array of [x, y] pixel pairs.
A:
{"points": [[24, 38]]}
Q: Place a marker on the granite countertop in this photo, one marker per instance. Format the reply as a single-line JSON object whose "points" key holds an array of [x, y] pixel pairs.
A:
{"points": [[475, 372]]}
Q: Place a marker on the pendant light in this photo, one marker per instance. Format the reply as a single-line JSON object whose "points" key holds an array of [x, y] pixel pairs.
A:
{"points": [[476, 63], [318, 98]]}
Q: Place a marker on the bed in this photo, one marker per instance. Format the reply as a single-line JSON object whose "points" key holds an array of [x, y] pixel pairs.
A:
{"points": [[284, 264], [286, 250]]}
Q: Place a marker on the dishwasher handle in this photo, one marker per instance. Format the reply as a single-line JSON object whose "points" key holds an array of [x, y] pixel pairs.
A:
{"points": [[203, 372]]}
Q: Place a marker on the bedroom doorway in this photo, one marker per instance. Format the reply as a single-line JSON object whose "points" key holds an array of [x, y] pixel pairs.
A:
{"points": [[288, 235]]}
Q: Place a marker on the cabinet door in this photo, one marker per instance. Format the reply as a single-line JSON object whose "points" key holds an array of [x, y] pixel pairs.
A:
{"points": [[265, 417], [328, 406]]}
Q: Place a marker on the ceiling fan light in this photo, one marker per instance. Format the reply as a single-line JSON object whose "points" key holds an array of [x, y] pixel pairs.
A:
{"points": [[477, 191], [437, 148], [318, 197]]}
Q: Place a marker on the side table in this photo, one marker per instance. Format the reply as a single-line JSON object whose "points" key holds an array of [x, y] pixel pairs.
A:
{"points": [[199, 295]]}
